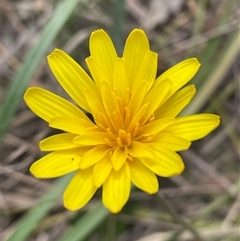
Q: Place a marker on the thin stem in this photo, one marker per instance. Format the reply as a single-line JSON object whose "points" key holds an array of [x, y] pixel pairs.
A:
{"points": [[163, 203]]}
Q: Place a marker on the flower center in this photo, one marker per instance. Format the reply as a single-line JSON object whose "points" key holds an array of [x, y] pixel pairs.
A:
{"points": [[122, 139], [121, 128]]}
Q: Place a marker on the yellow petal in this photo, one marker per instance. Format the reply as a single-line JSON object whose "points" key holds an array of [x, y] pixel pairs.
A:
{"points": [[142, 177], [93, 156], [95, 71], [153, 127], [147, 70], [116, 189], [170, 142], [71, 76], [80, 190], [180, 73], [176, 103], [139, 149], [165, 164], [120, 80], [96, 107], [48, 105], [96, 138], [101, 171], [194, 127], [71, 124], [137, 97], [56, 164], [155, 97], [58, 142], [118, 157], [111, 106], [103, 52], [137, 117], [136, 47]]}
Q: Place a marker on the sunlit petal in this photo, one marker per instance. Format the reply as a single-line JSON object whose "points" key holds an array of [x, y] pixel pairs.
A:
{"points": [[142, 177], [101, 171], [48, 105], [62, 141], [180, 73], [154, 127], [71, 124], [137, 97], [175, 104], [96, 107], [194, 127], [56, 164], [71, 76], [93, 156], [103, 52], [136, 47], [96, 138], [118, 157], [147, 70], [120, 80], [165, 164], [154, 98], [111, 106], [95, 71], [116, 189], [80, 190], [169, 141], [139, 149]]}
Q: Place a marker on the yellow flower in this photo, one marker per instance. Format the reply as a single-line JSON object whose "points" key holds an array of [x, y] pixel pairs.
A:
{"points": [[134, 132]]}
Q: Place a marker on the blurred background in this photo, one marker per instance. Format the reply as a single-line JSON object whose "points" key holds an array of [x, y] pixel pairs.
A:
{"points": [[205, 198]]}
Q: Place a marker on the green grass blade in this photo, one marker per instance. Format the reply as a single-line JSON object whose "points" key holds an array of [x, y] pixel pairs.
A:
{"points": [[32, 60], [86, 224], [27, 224], [118, 24]]}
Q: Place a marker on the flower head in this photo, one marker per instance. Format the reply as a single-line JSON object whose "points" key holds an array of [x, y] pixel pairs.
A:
{"points": [[134, 132]]}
